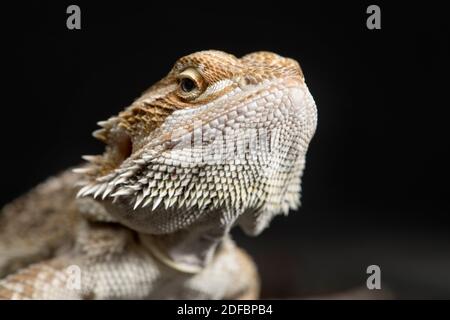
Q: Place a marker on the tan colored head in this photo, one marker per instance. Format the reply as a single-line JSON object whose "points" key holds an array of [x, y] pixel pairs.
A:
{"points": [[217, 136]]}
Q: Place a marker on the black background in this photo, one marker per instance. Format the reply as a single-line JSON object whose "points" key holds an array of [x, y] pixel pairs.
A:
{"points": [[376, 183]]}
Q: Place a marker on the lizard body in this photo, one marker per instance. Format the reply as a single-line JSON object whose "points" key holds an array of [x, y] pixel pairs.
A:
{"points": [[218, 142]]}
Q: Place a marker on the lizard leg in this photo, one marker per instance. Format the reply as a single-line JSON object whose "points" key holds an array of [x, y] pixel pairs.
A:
{"points": [[34, 228], [51, 279], [249, 276]]}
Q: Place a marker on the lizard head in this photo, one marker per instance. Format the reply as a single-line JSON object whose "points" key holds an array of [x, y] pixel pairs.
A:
{"points": [[218, 136]]}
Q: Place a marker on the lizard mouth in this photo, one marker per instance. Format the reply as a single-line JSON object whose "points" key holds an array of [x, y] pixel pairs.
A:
{"points": [[97, 174], [119, 147], [118, 151]]}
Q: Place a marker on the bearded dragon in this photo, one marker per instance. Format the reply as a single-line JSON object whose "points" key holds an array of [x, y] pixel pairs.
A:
{"points": [[219, 142]]}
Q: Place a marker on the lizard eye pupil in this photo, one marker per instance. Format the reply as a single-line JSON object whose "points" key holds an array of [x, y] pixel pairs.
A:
{"points": [[187, 85]]}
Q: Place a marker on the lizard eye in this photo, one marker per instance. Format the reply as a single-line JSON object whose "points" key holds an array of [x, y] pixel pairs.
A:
{"points": [[190, 83], [187, 85]]}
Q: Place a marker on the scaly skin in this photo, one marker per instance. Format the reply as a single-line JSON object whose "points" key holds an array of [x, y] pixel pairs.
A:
{"points": [[218, 142]]}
